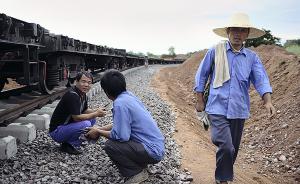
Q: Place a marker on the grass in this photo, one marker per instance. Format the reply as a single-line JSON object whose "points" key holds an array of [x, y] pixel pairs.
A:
{"points": [[294, 49]]}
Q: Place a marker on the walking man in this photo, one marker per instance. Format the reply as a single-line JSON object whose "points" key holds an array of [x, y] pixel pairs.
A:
{"points": [[231, 68]]}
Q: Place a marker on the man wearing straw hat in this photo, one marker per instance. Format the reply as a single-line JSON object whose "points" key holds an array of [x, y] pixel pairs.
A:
{"points": [[231, 67]]}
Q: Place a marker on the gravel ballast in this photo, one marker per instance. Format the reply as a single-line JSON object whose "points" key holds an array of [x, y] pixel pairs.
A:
{"points": [[41, 161]]}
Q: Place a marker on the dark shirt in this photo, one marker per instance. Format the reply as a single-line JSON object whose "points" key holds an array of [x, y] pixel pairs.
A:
{"points": [[72, 103]]}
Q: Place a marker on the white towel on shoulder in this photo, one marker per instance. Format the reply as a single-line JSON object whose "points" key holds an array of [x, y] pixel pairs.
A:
{"points": [[221, 65]]}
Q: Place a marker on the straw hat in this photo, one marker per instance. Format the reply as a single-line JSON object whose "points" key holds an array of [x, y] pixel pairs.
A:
{"points": [[240, 20]]}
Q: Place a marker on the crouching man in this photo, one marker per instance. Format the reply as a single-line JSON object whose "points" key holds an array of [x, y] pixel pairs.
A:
{"points": [[72, 115], [134, 139]]}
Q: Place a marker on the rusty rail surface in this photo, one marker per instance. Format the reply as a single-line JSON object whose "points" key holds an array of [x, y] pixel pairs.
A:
{"points": [[10, 114]]}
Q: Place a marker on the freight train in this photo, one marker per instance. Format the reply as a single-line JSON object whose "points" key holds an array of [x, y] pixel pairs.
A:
{"points": [[32, 56]]}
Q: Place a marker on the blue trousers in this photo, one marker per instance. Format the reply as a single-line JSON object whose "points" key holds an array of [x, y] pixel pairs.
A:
{"points": [[226, 134], [70, 132]]}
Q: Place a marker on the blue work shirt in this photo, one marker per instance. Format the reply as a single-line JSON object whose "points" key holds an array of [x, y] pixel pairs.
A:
{"points": [[232, 99], [132, 121]]}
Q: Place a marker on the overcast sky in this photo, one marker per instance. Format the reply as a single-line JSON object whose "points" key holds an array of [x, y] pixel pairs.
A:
{"points": [[154, 25]]}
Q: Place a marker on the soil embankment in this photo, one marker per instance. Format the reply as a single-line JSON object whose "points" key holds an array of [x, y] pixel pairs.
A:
{"points": [[270, 146]]}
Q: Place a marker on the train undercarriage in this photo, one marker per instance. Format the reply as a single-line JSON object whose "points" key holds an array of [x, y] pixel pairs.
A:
{"points": [[32, 56]]}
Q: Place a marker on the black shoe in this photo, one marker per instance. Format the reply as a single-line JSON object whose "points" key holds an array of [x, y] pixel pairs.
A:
{"points": [[220, 182], [68, 148]]}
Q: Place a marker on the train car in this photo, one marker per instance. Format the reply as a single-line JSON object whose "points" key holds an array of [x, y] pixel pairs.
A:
{"points": [[19, 51], [32, 56]]}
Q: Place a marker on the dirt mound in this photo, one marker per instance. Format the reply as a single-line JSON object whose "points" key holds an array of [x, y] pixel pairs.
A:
{"points": [[275, 143], [270, 146]]}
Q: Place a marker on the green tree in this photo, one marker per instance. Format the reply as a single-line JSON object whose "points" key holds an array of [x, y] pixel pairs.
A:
{"points": [[140, 54], [267, 39], [137, 54], [150, 55], [172, 51]]}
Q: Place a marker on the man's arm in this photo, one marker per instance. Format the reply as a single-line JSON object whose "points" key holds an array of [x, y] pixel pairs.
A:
{"points": [[88, 111], [106, 127], [95, 133], [261, 82], [201, 77], [82, 117], [204, 71], [200, 102]]}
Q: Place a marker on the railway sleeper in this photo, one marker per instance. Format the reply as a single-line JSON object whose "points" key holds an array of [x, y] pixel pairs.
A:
{"points": [[41, 122], [44, 110], [24, 129], [24, 132], [8, 147]]}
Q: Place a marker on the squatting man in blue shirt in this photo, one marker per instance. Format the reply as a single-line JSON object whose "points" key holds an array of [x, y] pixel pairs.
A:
{"points": [[232, 67], [134, 139]]}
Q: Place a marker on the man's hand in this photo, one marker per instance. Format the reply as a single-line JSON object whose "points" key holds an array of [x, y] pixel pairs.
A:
{"points": [[93, 133], [203, 117], [100, 112], [268, 104], [270, 109]]}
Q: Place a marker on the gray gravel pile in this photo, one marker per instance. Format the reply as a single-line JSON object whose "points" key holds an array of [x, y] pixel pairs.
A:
{"points": [[41, 161]]}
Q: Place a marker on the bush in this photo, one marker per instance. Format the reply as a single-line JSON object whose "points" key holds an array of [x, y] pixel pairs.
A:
{"points": [[267, 39]]}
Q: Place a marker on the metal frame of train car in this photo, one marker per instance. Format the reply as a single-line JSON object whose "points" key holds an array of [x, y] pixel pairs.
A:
{"points": [[49, 60], [66, 56], [19, 51], [33, 56]]}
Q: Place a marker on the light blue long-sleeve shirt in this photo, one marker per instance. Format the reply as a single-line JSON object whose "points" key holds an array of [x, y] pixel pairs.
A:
{"points": [[132, 121], [232, 99]]}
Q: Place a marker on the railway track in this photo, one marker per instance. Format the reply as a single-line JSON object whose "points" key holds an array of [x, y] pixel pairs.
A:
{"points": [[23, 101]]}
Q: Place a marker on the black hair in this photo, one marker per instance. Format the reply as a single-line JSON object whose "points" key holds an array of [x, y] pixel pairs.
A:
{"points": [[80, 74], [113, 83]]}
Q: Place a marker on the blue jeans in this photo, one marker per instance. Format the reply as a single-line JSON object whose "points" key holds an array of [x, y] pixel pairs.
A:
{"points": [[226, 134], [70, 132]]}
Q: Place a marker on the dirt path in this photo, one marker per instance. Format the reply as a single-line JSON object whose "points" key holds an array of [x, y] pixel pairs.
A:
{"points": [[198, 153]]}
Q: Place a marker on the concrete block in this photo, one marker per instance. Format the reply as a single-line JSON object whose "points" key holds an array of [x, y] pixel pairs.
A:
{"points": [[53, 104], [41, 122], [25, 132], [44, 110], [8, 147]]}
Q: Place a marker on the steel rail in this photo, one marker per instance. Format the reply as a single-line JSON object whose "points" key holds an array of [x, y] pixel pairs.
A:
{"points": [[9, 115]]}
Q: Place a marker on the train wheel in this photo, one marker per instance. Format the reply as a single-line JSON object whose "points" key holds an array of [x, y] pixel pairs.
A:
{"points": [[2, 83], [42, 80]]}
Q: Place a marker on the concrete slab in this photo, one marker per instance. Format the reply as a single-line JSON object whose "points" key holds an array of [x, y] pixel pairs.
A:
{"points": [[44, 110], [41, 122], [25, 132], [53, 104], [8, 147]]}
